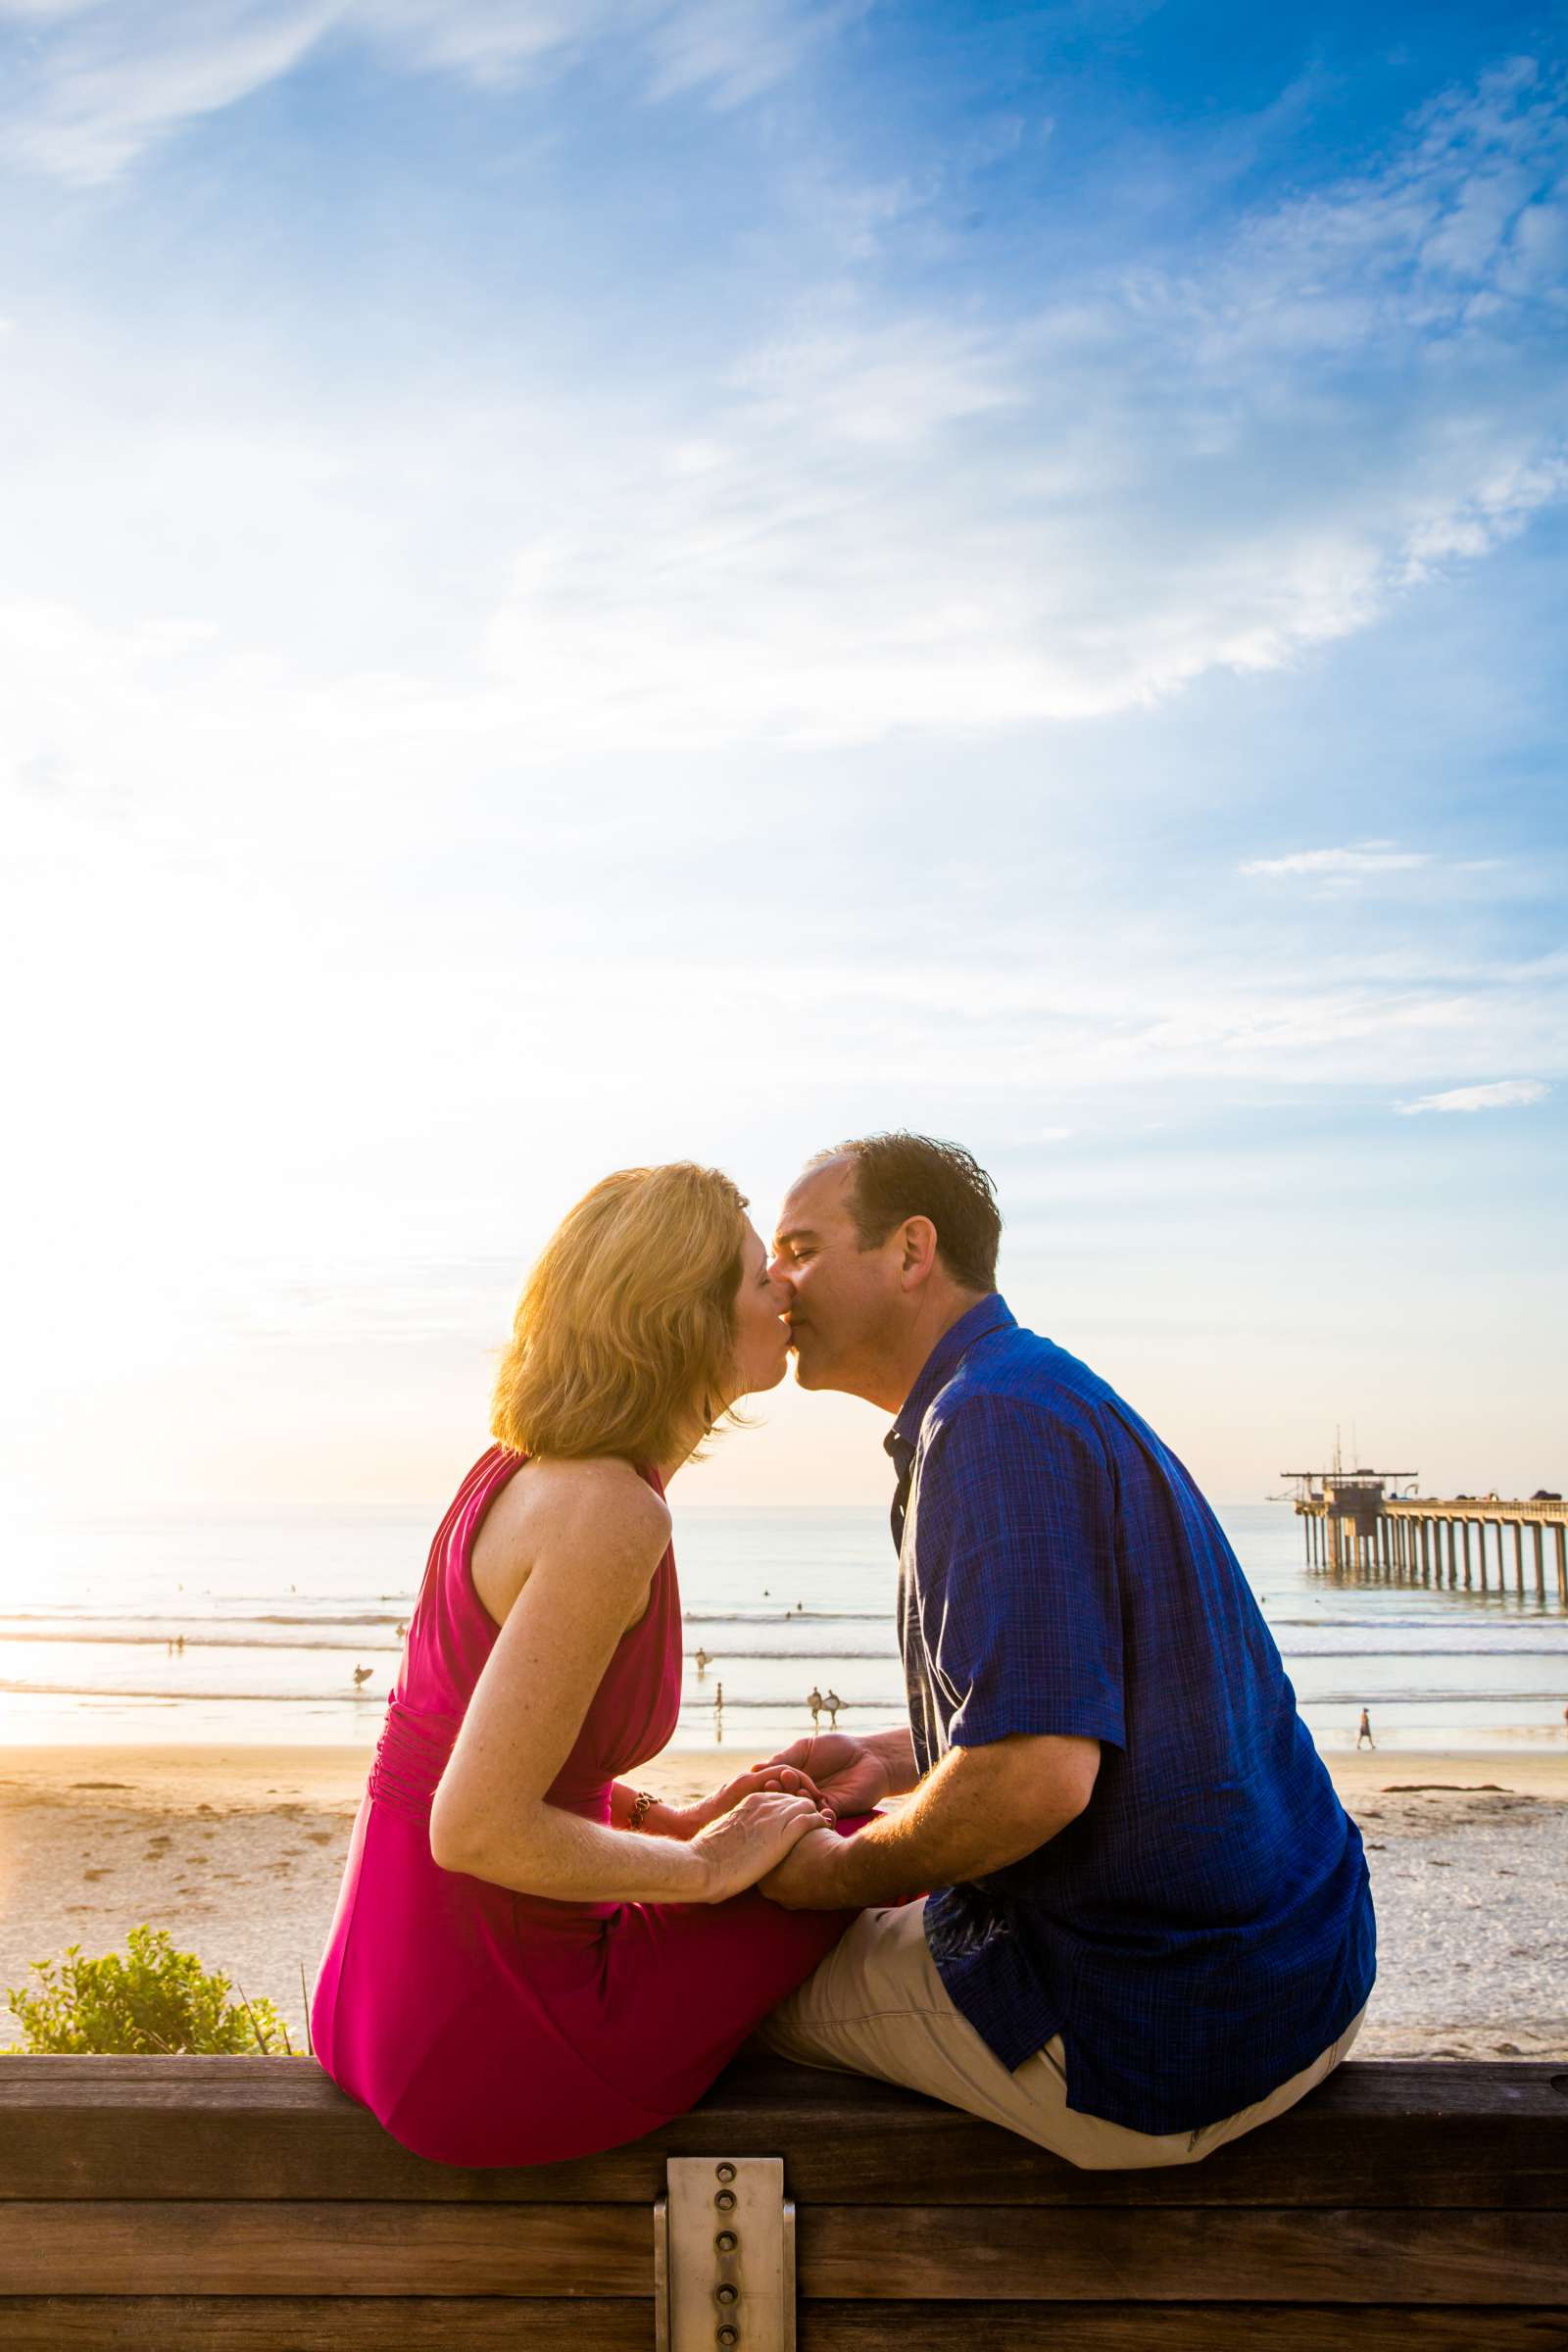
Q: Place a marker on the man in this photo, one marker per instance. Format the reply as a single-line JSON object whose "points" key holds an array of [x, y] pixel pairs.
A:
{"points": [[1151, 1927]]}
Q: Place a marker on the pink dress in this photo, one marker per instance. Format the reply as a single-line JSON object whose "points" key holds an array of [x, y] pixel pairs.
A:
{"points": [[485, 2027]]}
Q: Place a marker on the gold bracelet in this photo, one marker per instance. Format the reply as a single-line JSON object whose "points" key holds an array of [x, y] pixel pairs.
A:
{"points": [[641, 1805]]}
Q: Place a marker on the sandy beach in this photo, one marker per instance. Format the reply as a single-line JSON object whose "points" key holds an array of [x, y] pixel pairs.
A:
{"points": [[238, 1852]]}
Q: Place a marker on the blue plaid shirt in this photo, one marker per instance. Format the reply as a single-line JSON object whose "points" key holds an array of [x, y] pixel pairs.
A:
{"points": [[1204, 1928]]}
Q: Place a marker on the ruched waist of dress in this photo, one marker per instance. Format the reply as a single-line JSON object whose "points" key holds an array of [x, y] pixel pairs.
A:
{"points": [[413, 1753], [409, 1758]]}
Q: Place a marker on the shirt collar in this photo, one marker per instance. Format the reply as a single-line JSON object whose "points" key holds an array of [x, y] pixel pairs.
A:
{"points": [[990, 1313]]}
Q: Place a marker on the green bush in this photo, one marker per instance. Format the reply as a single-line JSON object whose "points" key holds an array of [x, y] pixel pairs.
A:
{"points": [[156, 2001]]}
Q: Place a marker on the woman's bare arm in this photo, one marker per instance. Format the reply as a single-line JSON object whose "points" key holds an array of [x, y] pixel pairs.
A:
{"points": [[595, 1534]]}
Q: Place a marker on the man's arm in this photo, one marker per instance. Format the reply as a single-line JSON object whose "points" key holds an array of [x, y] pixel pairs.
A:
{"points": [[978, 1810]]}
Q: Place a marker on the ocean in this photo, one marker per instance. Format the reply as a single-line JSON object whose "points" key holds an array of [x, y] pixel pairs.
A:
{"points": [[277, 1613]]}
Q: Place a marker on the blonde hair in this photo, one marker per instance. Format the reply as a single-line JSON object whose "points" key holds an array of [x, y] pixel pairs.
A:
{"points": [[625, 1330]]}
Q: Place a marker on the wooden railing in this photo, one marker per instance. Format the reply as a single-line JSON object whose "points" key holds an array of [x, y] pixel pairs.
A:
{"points": [[172, 2203]]}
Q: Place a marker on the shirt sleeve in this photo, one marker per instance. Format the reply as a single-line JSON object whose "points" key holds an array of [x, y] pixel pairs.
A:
{"points": [[1017, 1585]]}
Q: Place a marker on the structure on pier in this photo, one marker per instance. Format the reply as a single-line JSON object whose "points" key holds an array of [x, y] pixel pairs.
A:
{"points": [[1343, 1508], [1357, 1523]]}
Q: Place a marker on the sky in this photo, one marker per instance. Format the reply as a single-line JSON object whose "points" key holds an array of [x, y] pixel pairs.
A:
{"points": [[686, 578]]}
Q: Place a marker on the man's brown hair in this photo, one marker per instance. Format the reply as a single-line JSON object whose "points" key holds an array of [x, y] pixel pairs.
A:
{"points": [[901, 1175]]}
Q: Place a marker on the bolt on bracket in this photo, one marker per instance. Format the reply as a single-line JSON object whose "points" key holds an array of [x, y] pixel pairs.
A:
{"points": [[724, 2257]]}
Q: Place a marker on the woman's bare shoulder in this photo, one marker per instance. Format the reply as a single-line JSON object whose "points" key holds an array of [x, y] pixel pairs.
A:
{"points": [[597, 1511], [601, 1495], [600, 1502]]}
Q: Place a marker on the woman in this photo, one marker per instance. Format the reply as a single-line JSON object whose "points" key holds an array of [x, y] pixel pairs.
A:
{"points": [[532, 1959]]}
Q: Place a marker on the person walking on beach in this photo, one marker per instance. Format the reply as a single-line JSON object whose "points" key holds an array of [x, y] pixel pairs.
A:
{"points": [[1152, 1926], [1364, 1731], [701, 1661], [832, 1702], [814, 1704]]}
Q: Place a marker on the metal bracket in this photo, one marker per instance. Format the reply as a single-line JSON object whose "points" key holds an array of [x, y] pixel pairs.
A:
{"points": [[724, 2257]]}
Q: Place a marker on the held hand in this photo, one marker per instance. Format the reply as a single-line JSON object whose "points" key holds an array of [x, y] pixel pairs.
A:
{"points": [[851, 1778], [687, 1820], [802, 1882], [744, 1845]]}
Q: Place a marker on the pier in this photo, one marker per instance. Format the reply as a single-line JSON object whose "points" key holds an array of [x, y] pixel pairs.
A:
{"points": [[1359, 1523]]}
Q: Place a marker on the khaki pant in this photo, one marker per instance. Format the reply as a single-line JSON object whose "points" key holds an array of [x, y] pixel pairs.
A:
{"points": [[877, 2006]]}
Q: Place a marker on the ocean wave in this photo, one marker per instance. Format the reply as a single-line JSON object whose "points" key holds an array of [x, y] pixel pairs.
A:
{"points": [[1376, 1701], [368, 1617], [788, 1616], [1466, 1649], [270, 1698], [214, 1628], [209, 1640], [61, 1626], [61, 1611], [802, 1657], [1372, 1623], [702, 1703], [219, 1637], [219, 1641]]}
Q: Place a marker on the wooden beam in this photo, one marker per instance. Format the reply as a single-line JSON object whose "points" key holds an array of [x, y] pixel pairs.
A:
{"points": [[270, 2248], [503, 2323], [1168, 2327], [1384, 2132], [1222, 2256], [256, 2126], [322, 2323], [958, 2253]]}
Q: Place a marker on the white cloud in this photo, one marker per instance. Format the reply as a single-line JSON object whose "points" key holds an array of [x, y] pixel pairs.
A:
{"points": [[736, 49], [878, 521], [343, 1032], [1367, 862], [151, 771], [911, 523], [1505, 1094], [883, 519], [117, 79], [104, 80]]}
